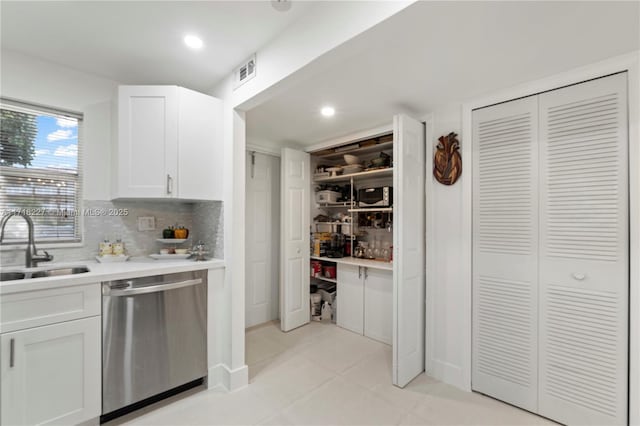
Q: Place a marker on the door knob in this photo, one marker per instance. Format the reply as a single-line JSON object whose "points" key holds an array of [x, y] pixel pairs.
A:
{"points": [[298, 251], [578, 276]]}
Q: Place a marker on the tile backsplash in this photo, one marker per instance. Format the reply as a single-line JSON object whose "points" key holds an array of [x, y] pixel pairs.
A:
{"points": [[203, 219]]}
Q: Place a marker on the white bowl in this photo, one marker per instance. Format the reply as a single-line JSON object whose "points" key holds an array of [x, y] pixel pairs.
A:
{"points": [[351, 159]]}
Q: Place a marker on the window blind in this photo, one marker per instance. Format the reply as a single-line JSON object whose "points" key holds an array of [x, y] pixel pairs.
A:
{"points": [[40, 172]]}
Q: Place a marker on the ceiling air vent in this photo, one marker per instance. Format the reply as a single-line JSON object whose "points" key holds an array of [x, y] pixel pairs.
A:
{"points": [[245, 72]]}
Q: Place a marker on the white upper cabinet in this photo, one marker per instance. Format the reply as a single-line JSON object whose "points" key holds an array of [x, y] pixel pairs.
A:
{"points": [[168, 144]]}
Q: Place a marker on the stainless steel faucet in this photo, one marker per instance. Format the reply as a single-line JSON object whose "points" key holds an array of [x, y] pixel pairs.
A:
{"points": [[31, 254]]}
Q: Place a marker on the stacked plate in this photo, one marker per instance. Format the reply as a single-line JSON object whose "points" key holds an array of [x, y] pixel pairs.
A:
{"points": [[352, 168]]}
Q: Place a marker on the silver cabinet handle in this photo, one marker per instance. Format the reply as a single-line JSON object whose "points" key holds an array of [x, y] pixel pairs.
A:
{"points": [[152, 288], [579, 276], [359, 272], [12, 353], [366, 273], [169, 184]]}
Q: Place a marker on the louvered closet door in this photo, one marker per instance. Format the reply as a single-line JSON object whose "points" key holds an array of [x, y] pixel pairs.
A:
{"points": [[584, 253], [505, 241]]}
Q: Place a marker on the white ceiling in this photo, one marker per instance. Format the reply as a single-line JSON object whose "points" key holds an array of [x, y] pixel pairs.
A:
{"points": [[140, 42], [437, 53]]}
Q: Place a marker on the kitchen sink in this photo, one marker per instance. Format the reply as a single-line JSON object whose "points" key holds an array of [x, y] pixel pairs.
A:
{"points": [[10, 276], [59, 272], [56, 272]]}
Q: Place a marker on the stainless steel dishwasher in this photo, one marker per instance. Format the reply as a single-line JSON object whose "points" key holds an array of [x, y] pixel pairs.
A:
{"points": [[154, 338]]}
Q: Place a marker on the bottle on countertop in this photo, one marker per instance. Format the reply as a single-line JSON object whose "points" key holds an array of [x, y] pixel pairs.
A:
{"points": [[105, 248], [118, 247]]}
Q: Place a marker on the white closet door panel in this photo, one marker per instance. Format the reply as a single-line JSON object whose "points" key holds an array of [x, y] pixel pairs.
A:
{"points": [[584, 253], [409, 249], [505, 237], [295, 273]]}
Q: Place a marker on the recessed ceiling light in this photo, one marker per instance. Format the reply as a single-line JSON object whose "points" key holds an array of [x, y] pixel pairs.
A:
{"points": [[193, 41], [328, 111], [281, 5]]}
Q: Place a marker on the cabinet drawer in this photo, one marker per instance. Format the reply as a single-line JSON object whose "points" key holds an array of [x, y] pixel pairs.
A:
{"points": [[41, 307]]}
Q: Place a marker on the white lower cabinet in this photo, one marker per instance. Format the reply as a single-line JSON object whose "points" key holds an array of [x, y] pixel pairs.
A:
{"points": [[350, 294], [51, 374], [365, 300], [378, 304]]}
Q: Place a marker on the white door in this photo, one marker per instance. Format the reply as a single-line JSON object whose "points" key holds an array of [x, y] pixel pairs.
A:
{"points": [[147, 141], [261, 269], [378, 304], [409, 249], [350, 298], [505, 252], [295, 227], [51, 374], [584, 252]]}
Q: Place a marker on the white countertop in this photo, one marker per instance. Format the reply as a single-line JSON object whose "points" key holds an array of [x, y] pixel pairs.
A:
{"points": [[368, 263], [134, 267]]}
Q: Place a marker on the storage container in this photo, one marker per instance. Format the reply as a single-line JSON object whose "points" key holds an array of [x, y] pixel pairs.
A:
{"points": [[327, 296], [329, 271], [316, 268], [316, 304], [327, 196]]}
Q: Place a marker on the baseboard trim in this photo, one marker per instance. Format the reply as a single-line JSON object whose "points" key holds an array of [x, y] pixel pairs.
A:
{"points": [[232, 380], [448, 373]]}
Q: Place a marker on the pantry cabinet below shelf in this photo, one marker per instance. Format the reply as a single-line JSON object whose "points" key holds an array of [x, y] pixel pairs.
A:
{"points": [[350, 295], [378, 304], [365, 298]]}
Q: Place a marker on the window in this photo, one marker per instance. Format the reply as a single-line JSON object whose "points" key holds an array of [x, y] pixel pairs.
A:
{"points": [[40, 172]]}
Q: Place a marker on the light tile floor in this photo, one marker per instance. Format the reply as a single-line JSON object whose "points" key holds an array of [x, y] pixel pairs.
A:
{"points": [[321, 374]]}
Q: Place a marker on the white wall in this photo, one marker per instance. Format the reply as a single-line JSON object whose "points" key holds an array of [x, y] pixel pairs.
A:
{"points": [[445, 275], [35, 81], [270, 147]]}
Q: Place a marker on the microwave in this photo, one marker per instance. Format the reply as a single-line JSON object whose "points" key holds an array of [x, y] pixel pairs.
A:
{"points": [[381, 196]]}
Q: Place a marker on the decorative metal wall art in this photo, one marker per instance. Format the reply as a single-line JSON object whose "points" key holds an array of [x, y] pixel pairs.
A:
{"points": [[447, 163]]}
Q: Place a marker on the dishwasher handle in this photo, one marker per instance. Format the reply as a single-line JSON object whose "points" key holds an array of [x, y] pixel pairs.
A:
{"points": [[107, 291]]}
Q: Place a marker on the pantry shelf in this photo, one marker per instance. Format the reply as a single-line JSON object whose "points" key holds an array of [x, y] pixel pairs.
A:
{"points": [[331, 280], [356, 149], [367, 174], [368, 210]]}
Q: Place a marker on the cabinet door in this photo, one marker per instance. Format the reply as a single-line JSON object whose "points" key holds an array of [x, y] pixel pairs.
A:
{"points": [[51, 374], [200, 160], [350, 295], [378, 304], [147, 145]]}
